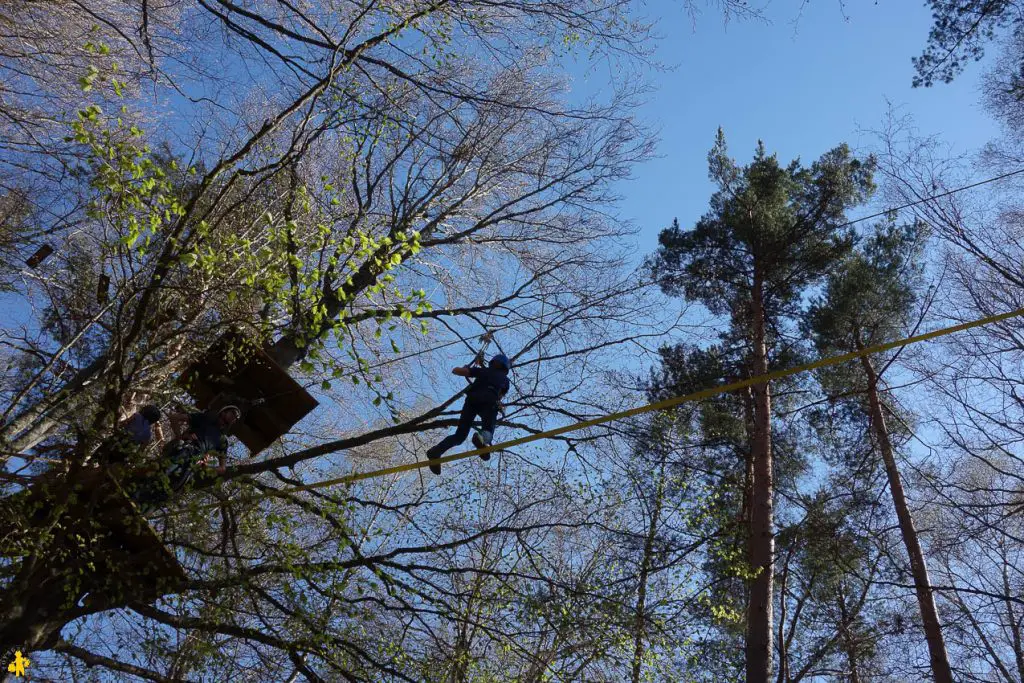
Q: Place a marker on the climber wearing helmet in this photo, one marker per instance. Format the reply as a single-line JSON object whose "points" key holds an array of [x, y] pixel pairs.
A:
{"points": [[201, 437], [483, 399]]}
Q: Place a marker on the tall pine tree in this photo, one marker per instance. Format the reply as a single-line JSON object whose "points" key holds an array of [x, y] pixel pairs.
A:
{"points": [[869, 300], [771, 232]]}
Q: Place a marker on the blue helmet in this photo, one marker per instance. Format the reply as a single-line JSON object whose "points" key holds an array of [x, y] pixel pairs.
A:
{"points": [[501, 361]]}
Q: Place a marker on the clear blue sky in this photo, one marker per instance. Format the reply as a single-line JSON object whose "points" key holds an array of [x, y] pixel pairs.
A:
{"points": [[801, 87]]}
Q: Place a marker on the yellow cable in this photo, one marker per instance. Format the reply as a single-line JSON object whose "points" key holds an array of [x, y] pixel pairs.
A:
{"points": [[658, 405]]}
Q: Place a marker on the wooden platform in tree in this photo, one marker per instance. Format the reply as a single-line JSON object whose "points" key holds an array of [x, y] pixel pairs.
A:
{"points": [[102, 539], [135, 548], [234, 370], [98, 552]]}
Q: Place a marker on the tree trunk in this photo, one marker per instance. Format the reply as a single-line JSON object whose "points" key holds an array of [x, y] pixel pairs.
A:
{"points": [[640, 623], [761, 540], [918, 568], [783, 674], [748, 471], [33, 424], [849, 645], [1012, 622]]}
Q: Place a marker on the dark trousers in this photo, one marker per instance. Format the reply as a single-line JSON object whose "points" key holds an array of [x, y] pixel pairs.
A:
{"points": [[178, 459], [486, 411]]}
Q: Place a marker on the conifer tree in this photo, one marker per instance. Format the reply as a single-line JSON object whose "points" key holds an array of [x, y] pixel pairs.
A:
{"points": [[870, 300], [771, 232]]}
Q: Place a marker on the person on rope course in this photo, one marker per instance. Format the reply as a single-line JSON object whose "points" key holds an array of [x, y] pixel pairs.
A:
{"points": [[144, 425], [483, 400], [132, 436], [199, 438]]}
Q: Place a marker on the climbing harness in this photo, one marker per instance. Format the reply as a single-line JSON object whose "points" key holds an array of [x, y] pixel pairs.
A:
{"points": [[481, 437]]}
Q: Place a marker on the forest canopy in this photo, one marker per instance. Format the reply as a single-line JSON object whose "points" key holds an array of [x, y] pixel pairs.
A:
{"points": [[263, 264]]}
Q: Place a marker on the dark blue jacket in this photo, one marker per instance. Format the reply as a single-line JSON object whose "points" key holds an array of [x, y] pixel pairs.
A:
{"points": [[184, 454], [207, 432], [488, 386]]}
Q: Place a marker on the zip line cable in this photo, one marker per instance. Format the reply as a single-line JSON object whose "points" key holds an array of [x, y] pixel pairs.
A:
{"points": [[924, 200], [650, 407]]}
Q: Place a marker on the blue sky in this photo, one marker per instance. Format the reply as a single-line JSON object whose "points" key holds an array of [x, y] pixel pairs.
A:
{"points": [[802, 87]]}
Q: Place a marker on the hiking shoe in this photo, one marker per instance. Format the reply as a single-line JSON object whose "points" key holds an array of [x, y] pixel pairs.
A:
{"points": [[482, 439], [434, 467]]}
